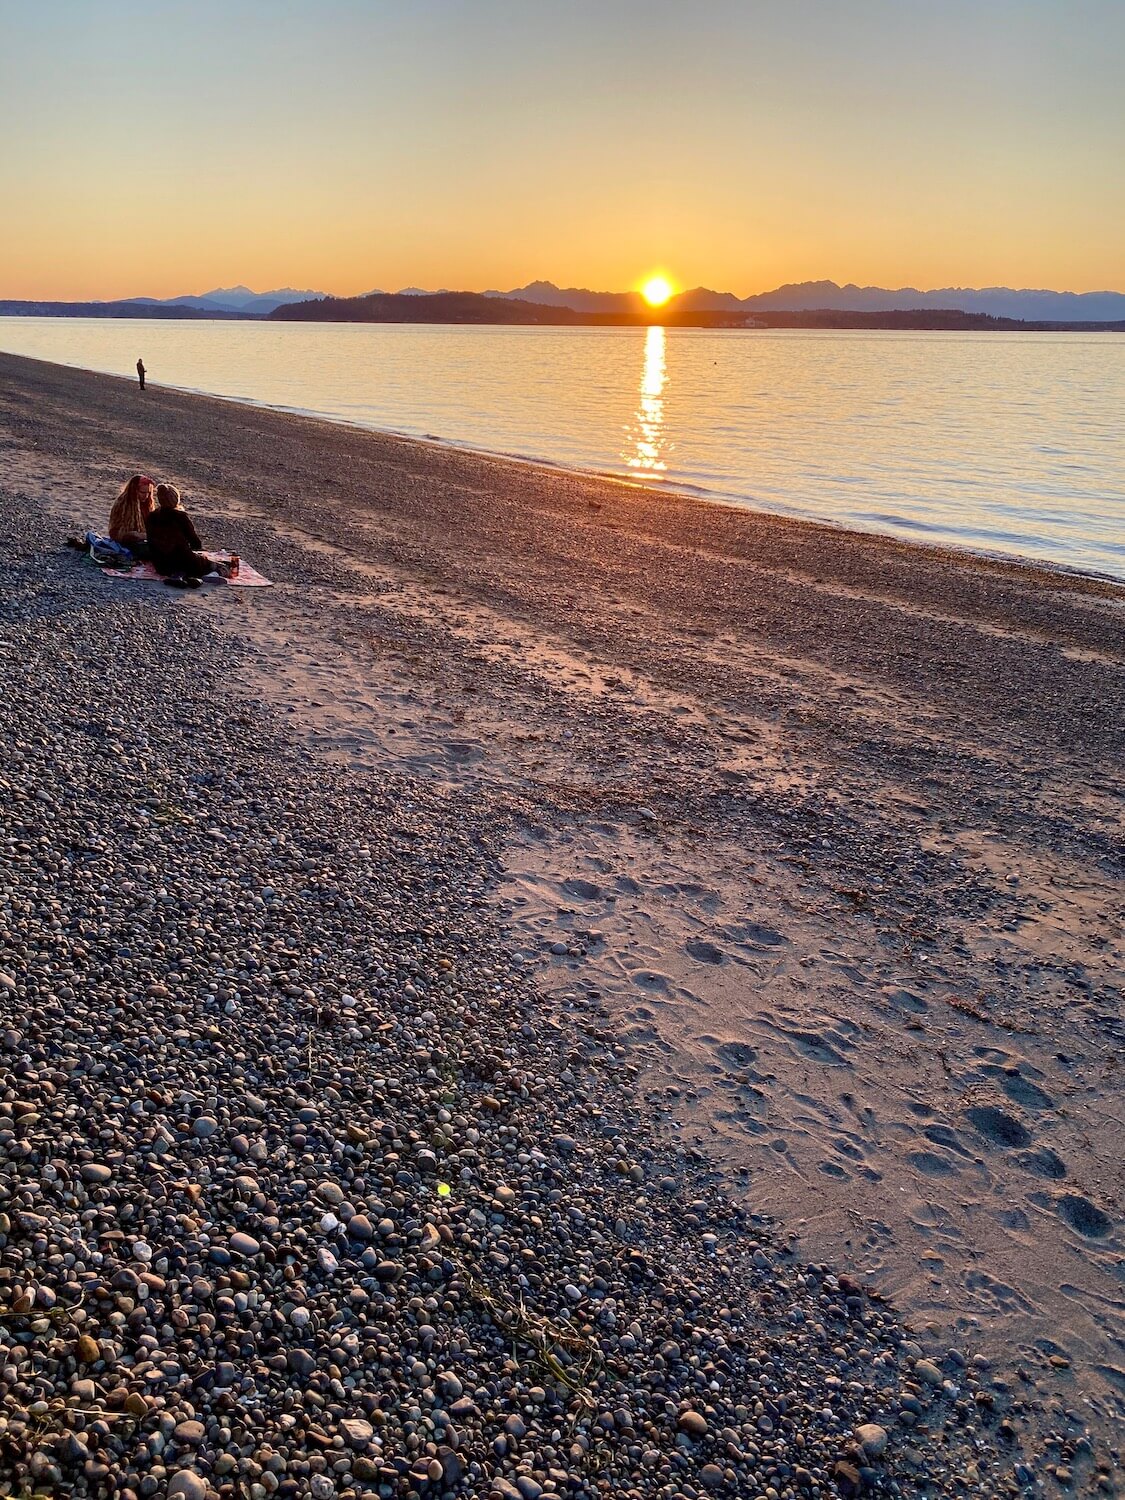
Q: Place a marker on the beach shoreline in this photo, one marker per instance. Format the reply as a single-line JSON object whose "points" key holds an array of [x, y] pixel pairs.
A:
{"points": [[1037, 569], [984, 533], [826, 827], [1030, 570]]}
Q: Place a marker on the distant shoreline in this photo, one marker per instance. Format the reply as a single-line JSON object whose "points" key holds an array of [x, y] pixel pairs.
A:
{"points": [[471, 308]]}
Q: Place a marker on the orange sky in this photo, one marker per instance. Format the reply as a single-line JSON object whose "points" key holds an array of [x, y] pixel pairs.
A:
{"points": [[160, 148]]}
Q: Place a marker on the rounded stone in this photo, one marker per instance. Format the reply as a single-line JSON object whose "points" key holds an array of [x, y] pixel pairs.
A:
{"points": [[693, 1423], [186, 1484], [872, 1439], [926, 1370]]}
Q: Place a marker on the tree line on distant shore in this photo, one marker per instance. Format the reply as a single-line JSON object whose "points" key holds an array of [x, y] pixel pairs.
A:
{"points": [[474, 307], [122, 309]]}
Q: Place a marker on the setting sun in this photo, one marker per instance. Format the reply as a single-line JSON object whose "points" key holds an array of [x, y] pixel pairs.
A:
{"points": [[656, 291]]}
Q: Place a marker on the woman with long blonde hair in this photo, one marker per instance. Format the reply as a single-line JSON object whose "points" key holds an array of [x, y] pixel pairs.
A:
{"points": [[131, 510]]}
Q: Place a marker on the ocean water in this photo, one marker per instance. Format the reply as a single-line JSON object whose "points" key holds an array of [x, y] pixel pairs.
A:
{"points": [[1008, 443]]}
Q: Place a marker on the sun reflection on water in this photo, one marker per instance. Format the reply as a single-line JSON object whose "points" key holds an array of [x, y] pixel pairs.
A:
{"points": [[646, 435]]}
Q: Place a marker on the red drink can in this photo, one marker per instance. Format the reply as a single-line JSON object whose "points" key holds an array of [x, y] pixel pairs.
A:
{"points": [[235, 562]]}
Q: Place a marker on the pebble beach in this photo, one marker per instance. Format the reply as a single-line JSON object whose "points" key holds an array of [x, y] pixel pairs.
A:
{"points": [[344, 1153]]}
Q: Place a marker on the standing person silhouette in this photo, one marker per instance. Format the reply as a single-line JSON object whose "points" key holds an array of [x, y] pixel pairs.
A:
{"points": [[141, 372]]}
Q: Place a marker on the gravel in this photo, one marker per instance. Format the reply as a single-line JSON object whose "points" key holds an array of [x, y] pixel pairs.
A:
{"points": [[295, 1196]]}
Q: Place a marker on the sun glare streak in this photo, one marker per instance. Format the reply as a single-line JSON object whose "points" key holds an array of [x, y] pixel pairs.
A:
{"points": [[648, 438]]}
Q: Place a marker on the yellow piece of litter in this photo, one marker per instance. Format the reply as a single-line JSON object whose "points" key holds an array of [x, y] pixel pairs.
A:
{"points": [[444, 1189]]}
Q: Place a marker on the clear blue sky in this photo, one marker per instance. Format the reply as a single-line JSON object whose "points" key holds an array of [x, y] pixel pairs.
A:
{"points": [[162, 146]]}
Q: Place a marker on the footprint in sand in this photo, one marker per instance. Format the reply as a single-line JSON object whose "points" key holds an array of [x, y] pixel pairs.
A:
{"points": [[1022, 1091], [745, 1112], [1043, 1162], [848, 1148], [997, 1126], [645, 1036], [812, 1045], [945, 1135], [1084, 1217], [993, 1054], [736, 1054], [988, 1290], [652, 980], [904, 1000], [693, 890], [1016, 1222], [459, 751], [754, 935], [704, 952], [585, 890], [930, 1164]]}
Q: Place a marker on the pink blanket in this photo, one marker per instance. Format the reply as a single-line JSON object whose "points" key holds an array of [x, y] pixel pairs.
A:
{"points": [[146, 573]]}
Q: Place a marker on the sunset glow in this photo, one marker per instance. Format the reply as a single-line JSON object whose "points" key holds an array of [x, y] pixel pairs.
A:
{"points": [[656, 291], [353, 145]]}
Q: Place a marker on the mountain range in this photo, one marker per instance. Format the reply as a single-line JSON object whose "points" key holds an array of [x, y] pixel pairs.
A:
{"points": [[1023, 305], [1026, 305], [231, 299]]}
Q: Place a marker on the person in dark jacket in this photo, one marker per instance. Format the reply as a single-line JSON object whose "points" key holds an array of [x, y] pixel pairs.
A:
{"points": [[141, 372], [173, 543]]}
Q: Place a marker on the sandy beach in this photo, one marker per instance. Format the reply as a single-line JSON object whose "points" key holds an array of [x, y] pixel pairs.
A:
{"points": [[763, 887]]}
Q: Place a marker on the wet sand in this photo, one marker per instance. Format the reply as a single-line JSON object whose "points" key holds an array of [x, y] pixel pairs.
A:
{"points": [[830, 826]]}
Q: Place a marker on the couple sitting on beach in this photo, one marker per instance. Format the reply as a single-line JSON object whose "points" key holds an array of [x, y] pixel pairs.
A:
{"points": [[148, 521]]}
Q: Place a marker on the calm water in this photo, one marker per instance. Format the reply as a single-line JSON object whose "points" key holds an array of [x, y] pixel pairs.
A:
{"points": [[1002, 442]]}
